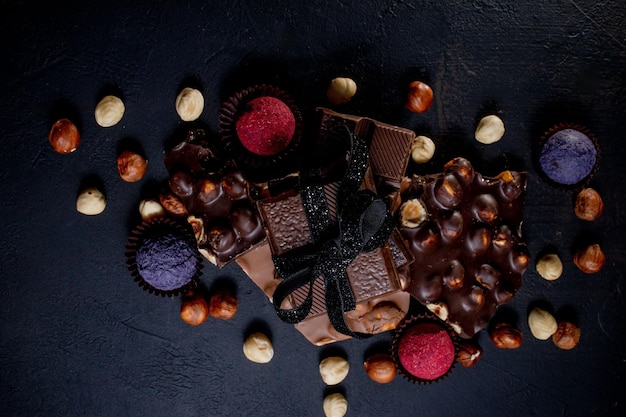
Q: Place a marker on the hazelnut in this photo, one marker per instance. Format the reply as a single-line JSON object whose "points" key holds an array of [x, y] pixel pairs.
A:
{"points": [[380, 368], [420, 97], [567, 335], [189, 104], [439, 308], [469, 353], [197, 225], [64, 136], [506, 336], [172, 204], [258, 348], [341, 90], [384, 316], [194, 310], [131, 166], [412, 213], [549, 267], [490, 129], [335, 405], [150, 209], [590, 260], [109, 111], [422, 149], [223, 304], [91, 202], [334, 369], [588, 205], [542, 324]]}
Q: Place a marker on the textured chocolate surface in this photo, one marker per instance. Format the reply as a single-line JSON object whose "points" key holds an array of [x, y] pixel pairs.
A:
{"points": [[218, 195], [390, 146], [469, 255]]}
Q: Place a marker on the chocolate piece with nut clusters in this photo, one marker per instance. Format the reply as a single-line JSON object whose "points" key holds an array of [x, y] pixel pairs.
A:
{"points": [[469, 252], [217, 199]]}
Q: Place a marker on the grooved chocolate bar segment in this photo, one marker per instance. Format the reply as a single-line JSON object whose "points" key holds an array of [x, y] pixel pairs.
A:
{"points": [[390, 146]]}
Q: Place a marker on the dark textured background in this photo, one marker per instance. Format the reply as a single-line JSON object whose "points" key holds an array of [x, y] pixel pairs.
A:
{"points": [[80, 338]]}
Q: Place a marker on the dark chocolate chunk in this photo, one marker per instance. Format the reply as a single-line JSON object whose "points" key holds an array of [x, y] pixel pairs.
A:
{"points": [[469, 253]]}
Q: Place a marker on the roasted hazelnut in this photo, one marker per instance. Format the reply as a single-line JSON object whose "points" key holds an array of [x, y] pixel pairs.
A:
{"points": [[334, 369], [91, 202], [589, 205], [490, 129], [412, 213], [131, 166], [549, 267], [341, 90], [109, 111], [506, 336], [469, 353], [422, 149], [420, 97], [380, 368], [172, 204], [223, 304], [590, 260], [335, 405], [64, 136], [542, 324], [197, 225], [384, 316], [567, 335], [439, 308], [258, 348], [194, 310]]}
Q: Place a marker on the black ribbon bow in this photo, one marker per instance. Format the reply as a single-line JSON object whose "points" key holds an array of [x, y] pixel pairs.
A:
{"points": [[364, 224]]}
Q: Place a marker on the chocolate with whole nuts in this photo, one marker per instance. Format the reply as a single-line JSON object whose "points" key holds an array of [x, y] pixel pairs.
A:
{"points": [[471, 242]]}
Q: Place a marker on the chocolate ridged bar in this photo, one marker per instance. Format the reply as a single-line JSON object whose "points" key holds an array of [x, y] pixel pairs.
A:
{"points": [[216, 195], [390, 146], [469, 253]]}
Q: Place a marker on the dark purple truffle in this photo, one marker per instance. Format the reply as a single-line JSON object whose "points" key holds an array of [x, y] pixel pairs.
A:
{"points": [[165, 261], [163, 258], [568, 156]]}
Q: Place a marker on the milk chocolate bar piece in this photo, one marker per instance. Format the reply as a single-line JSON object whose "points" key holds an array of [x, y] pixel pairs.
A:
{"points": [[469, 252], [390, 146]]}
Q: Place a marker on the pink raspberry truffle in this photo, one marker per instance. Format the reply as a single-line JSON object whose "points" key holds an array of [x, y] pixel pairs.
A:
{"points": [[426, 350], [266, 127]]}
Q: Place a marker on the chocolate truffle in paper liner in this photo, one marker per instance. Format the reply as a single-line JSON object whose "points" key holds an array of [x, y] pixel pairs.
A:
{"points": [[424, 349], [261, 128], [568, 156], [163, 258], [469, 253]]}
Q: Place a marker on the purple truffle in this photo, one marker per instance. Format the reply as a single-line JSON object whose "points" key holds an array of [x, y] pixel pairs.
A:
{"points": [[166, 261], [568, 157]]}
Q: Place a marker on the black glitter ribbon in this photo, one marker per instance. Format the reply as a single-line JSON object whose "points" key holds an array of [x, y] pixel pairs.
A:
{"points": [[364, 224]]}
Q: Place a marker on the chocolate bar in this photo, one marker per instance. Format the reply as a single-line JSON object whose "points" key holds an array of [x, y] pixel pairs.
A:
{"points": [[464, 231]]}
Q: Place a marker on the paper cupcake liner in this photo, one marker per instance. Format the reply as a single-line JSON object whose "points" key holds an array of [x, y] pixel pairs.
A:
{"points": [[258, 168], [176, 228], [405, 325], [554, 129]]}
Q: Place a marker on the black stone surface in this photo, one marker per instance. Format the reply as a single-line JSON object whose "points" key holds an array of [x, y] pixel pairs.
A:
{"points": [[79, 338]]}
